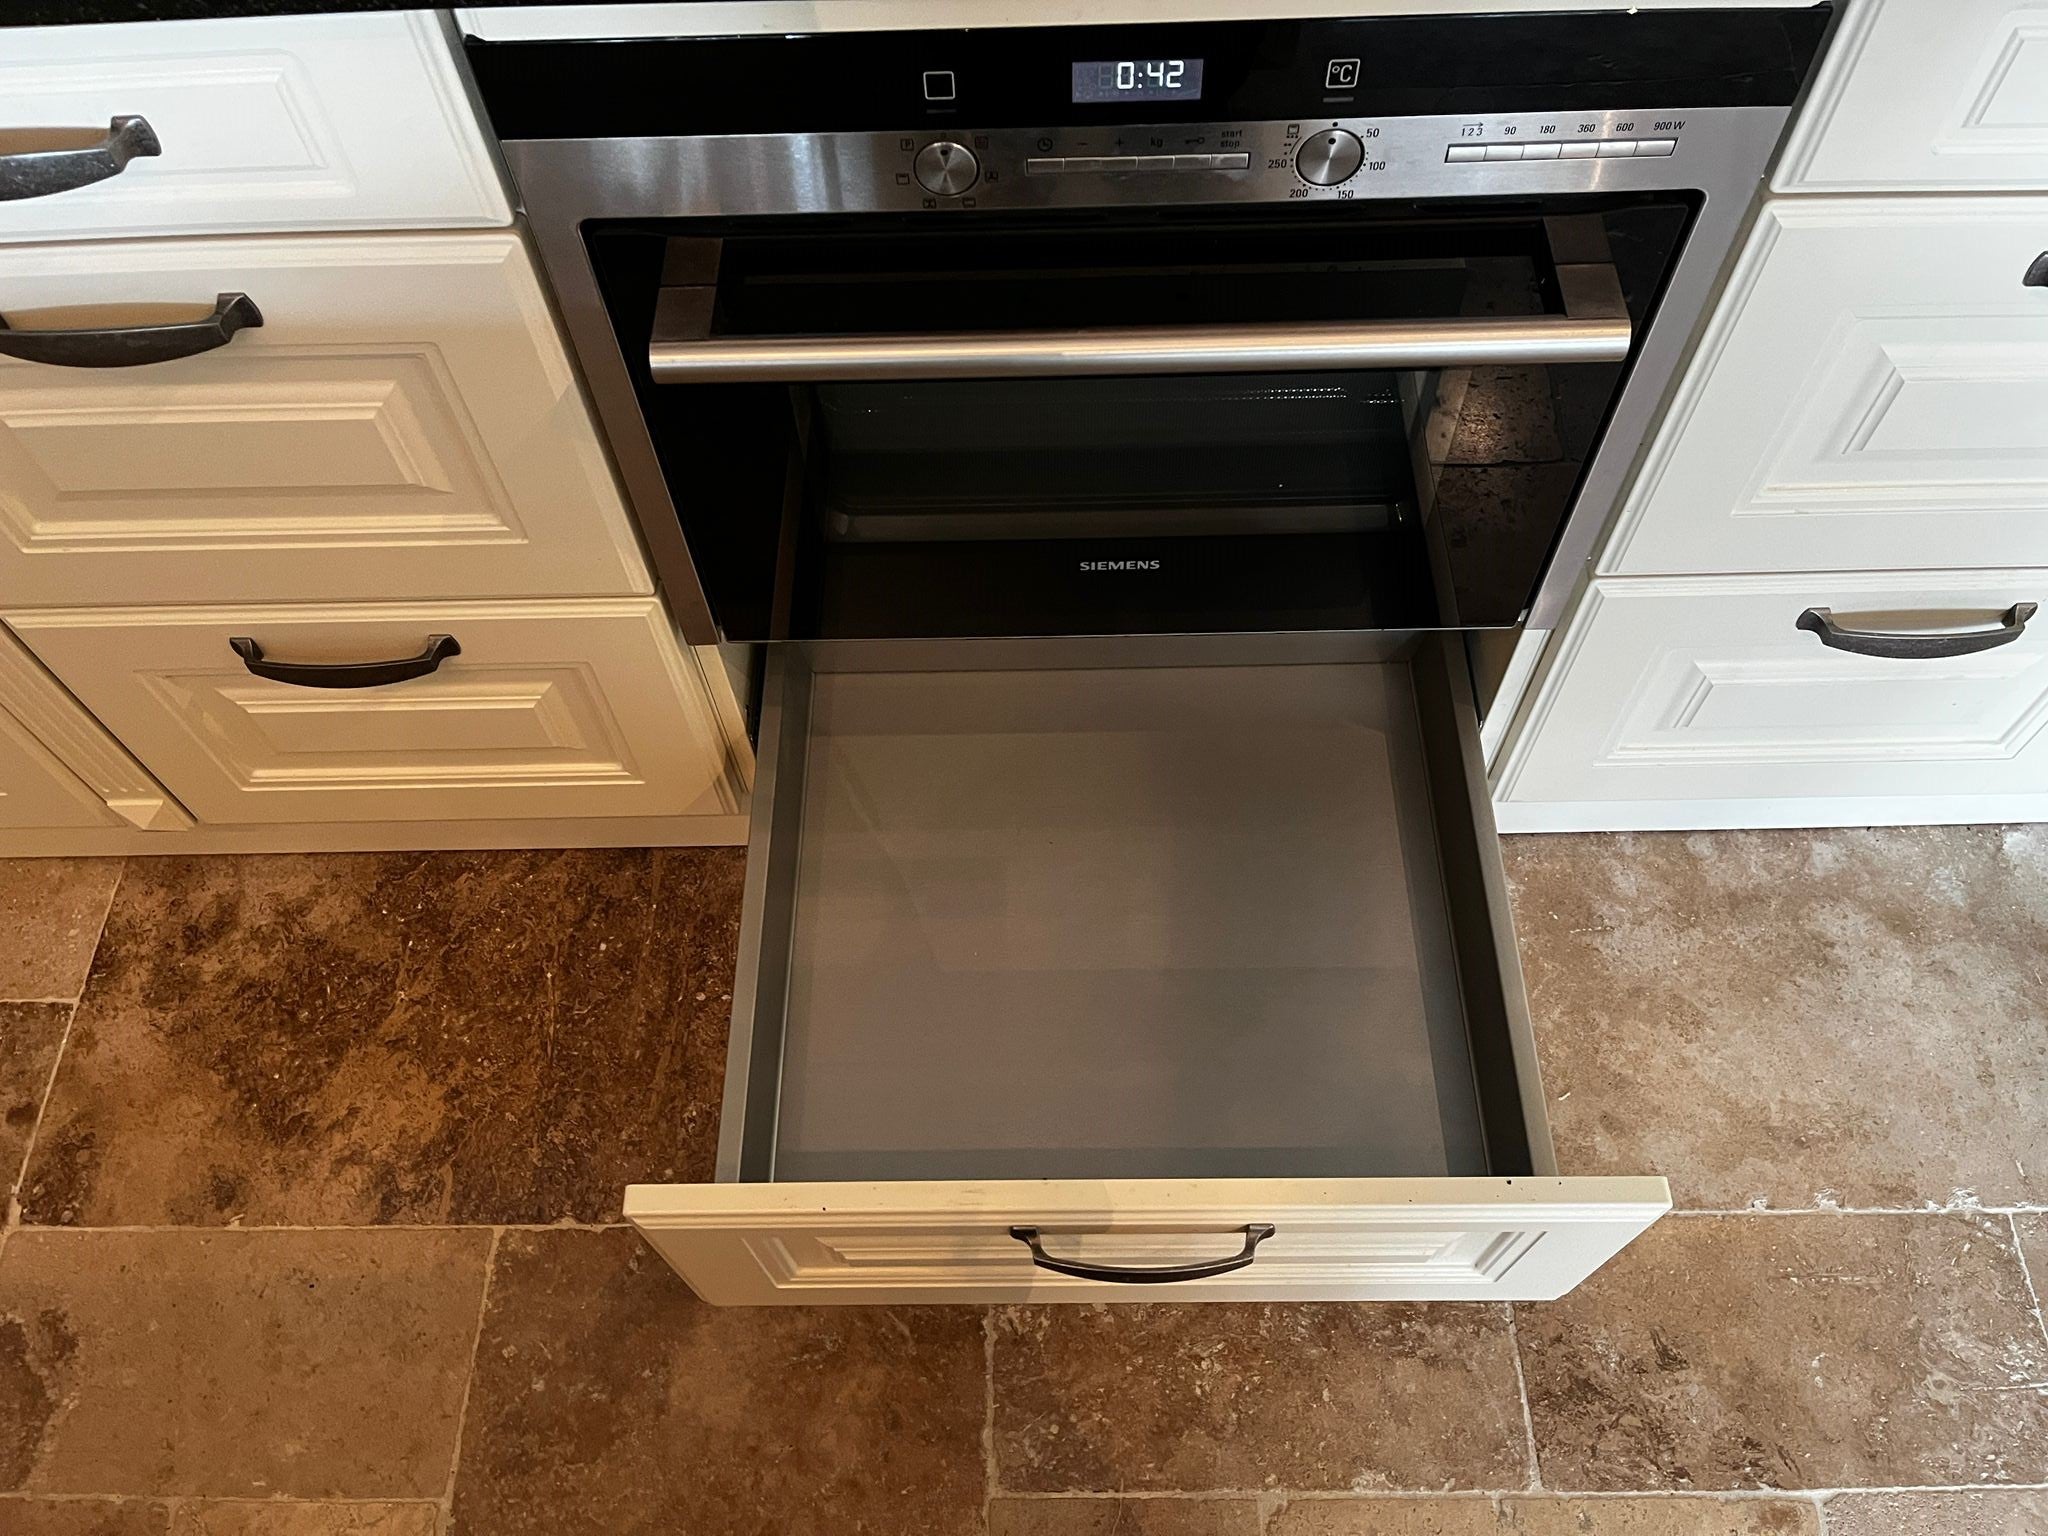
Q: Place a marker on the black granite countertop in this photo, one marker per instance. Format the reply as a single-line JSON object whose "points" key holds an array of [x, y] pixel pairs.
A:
{"points": [[38, 13]]}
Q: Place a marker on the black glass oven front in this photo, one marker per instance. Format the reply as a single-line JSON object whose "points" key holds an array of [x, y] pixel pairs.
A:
{"points": [[1311, 499]]}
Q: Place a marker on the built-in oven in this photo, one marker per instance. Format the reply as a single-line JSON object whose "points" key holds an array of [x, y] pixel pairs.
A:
{"points": [[1108, 439]]}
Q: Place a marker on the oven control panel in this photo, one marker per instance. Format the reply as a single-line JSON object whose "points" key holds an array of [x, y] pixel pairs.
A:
{"points": [[1304, 160]]}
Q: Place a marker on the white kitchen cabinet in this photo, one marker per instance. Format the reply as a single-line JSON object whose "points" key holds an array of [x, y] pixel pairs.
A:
{"points": [[574, 708], [263, 123], [1701, 702], [404, 422], [58, 768], [1871, 394], [1927, 95]]}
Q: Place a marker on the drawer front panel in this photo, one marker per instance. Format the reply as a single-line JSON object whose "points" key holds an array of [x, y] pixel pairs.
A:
{"points": [[1708, 691], [1871, 397], [299, 122], [1343, 1239], [402, 423], [578, 708], [1913, 96]]}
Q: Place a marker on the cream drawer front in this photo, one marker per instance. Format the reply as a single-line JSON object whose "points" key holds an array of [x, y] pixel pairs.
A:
{"points": [[1941, 96], [585, 707], [1703, 691], [1130, 984], [403, 423], [1332, 1240], [1871, 396], [290, 122]]}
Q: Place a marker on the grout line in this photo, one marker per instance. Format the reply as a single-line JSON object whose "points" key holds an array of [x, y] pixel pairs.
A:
{"points": [[1284, 1496], [1820, 1514], [1522, 1394], [988, 1422], [2019, 1249], [37, 1002], [1971, 1208], [11, 1218], [483, 1306]]}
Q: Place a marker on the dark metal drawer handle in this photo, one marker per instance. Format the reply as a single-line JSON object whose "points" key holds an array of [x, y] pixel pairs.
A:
{"points": [[130, 346], [2037, 274], [345, 674], [41, 172], [1164, 1274], [1917, 647]]}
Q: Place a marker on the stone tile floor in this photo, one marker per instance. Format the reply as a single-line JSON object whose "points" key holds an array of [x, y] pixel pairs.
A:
{"points": [[316, 1166]]}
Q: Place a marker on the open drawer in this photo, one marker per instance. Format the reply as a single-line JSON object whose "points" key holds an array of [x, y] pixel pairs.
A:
{"points": [[1061, 982]]}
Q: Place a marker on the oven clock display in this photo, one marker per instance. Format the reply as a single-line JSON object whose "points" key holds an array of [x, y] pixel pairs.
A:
{"points": [[1138, 80]]}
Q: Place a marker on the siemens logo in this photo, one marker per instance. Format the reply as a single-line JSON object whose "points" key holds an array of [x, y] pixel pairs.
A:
{"points": [[1119, 565]]}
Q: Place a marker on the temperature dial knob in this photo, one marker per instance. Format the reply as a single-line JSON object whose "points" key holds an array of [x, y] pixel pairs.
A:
{"points": [[1329, 158], [948, 168]]}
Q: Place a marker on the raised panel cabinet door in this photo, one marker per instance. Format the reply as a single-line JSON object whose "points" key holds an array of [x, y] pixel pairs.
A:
{"points": [[858, 1244], [403, 422], [397, 712], [1871, 395], [1724, 696], [58, 768], [263, 123], [1927, 95]]}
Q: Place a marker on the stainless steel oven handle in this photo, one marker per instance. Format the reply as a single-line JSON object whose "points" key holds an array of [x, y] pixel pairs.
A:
{"points": [[1460, 343]]}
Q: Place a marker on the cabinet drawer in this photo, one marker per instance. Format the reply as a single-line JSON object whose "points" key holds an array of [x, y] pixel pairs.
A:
{"points": [[1927, 97], [402, 423], [1870, 397], [1706, 704], [577, 708], [1137, 963], [279, 123]]}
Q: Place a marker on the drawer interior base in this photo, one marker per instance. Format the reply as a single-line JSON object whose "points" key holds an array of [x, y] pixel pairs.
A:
{"points": [[1109, 923]]}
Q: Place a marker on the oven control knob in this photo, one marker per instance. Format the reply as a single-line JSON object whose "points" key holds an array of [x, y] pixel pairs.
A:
{"points": [[946, 168], [1328, 158]]}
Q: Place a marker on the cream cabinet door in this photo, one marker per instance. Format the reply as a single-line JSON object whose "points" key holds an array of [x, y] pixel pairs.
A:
{"points": [[1871, 396], [58, 768], [1927, 95], [403, 423], [586, 707], [1683, 703], [263, 123]]}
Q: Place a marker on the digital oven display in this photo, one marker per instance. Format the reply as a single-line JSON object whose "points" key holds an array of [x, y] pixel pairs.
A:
{"points": [[1139, 80]]}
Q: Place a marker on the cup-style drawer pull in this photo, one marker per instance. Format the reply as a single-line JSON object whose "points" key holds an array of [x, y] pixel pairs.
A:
{"points": [[2037, 274], [43, 172], [345, 674], [130, 346], [1911, 646], [1160, 1274]]}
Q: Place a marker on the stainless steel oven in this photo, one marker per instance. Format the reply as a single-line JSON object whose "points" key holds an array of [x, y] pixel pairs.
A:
{"points": [[1109, 438], [1235, 327]]}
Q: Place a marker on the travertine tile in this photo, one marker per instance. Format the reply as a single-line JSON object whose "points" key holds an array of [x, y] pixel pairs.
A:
{"points": [[311, 1364], [1997, 1512], [1795, 1018], [30, 1034], [1123, 1517], [1229, 1396], [1542, 1516], [84, 1517], [210, 1517], [609, 1400], [1809, 1351], [50, 911], [507, 1037]]}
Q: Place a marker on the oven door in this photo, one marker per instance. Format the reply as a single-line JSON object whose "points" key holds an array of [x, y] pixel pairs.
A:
{"points": [[1096, 427]]}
